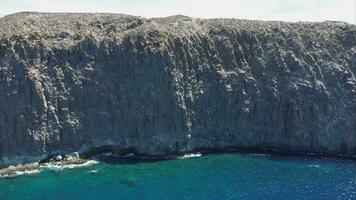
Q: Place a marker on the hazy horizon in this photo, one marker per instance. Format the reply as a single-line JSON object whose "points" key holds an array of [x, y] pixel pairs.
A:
{"points": [[279, 10]]}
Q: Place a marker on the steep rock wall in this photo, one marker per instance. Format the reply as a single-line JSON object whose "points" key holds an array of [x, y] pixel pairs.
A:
{"points": [[81, 82]]}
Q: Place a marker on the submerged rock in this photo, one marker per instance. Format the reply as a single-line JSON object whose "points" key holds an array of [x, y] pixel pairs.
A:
{"points": [[117, 83]]}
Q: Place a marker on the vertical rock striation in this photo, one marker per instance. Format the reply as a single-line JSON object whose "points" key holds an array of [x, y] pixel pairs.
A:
{"points": [[161, 86]]}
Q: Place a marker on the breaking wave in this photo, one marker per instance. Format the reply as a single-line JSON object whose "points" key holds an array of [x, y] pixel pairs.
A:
{"points": [[59, 166], [48, 166], [21, 173], [190, 155]]}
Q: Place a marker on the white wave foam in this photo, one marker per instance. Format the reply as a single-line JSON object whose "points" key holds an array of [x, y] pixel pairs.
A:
{"points": [[21, 173], [93, 171], [86, 164], [28, 172], [59, 166], [191, 155], [52, 166]]}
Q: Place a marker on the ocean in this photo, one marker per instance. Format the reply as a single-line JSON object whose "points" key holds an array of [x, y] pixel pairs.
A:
{"points": [[213, 176]]}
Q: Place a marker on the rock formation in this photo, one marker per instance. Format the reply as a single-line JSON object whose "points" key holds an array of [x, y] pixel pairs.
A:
{"points": [[92, 82]]}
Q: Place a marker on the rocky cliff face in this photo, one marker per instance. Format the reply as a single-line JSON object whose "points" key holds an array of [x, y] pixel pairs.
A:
{"points": [[88, 82]]}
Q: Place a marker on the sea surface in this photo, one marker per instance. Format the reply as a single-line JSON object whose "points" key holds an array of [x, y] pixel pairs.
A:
{"points": [[214, 176]]}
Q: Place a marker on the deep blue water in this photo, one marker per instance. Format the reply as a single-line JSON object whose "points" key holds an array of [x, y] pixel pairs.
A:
{"points": [[216, 176]]}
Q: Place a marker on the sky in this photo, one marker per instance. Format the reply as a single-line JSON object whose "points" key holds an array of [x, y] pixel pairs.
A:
{"points": [[283, 10]]}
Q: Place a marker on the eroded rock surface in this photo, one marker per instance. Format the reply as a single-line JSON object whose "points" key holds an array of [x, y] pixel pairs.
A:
{"points": [[161, 86]]}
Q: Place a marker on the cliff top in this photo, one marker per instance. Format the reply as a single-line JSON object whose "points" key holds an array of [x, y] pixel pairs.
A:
{"points": [[50, 23], [67, 28]]}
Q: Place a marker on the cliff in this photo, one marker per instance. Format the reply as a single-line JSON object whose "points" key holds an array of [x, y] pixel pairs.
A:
{"points": [[163, 86]]}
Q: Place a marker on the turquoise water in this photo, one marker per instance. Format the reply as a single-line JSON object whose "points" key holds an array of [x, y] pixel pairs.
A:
{"points": [[216, 176]]}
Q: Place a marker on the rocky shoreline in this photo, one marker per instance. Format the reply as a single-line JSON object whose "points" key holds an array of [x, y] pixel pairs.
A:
{"points": [[58, 163], [73, 160]]}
